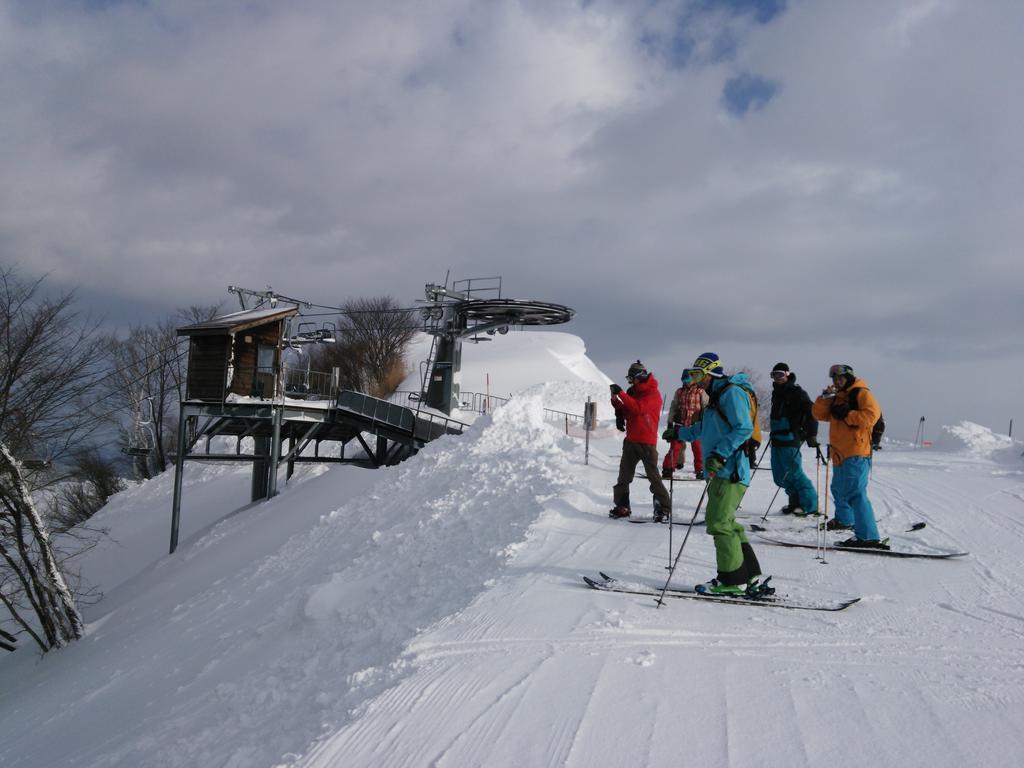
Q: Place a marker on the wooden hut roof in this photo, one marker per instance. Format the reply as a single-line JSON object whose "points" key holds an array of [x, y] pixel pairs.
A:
{"points": [[237, 321]]}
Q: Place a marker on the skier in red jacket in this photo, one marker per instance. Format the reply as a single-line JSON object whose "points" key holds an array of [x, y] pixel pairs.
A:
{"points": [[641, 408]]}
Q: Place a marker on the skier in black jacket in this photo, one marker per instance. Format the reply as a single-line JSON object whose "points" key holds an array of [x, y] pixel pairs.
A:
{"points": [[791, 425]]}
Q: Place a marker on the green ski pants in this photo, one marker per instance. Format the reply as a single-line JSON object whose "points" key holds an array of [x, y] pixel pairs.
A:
{"points": [[723, 499]]}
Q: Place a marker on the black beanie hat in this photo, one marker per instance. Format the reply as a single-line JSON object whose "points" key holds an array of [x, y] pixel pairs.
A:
{"points": [[780, 367], [637, 370]]}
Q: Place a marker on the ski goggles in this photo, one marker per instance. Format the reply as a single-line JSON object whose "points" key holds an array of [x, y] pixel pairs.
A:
{"points": [[839, 370], [693, 375], [779, 375]]}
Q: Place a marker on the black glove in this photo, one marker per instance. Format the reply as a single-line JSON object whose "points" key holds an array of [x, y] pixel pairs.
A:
{"points": [[620, 422], [670, 434], [812, 442], [615, 388], [840, 410]]}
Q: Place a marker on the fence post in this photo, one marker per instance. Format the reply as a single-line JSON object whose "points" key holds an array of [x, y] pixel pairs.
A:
{"points": [[589, 416]]}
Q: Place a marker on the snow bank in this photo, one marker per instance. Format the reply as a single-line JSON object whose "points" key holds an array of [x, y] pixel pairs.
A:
{"points": [[507, 364], [976, 441], [276, 623], [571, 396]]}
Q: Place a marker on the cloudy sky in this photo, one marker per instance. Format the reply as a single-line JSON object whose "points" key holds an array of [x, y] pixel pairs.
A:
{"points": [[812, 182]]}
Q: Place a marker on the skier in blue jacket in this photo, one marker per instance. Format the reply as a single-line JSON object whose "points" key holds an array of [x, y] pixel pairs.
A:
{"points": [[723, 429]]}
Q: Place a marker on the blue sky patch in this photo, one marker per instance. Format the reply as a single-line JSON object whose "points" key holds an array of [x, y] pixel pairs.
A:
{"points": [[763, 11], [747, 92], [682, 44]]}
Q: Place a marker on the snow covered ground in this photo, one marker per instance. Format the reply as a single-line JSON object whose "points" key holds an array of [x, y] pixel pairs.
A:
{"points": [[433, 614]]}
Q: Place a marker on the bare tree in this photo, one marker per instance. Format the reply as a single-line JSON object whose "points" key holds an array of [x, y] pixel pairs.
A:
{"points": [[50, 364], [31, 580], [763, 393], [146, 384], [95, 480], [370, 352]]}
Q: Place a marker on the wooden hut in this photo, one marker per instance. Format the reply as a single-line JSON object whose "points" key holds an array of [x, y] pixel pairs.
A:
{"points": [[235, 354]]}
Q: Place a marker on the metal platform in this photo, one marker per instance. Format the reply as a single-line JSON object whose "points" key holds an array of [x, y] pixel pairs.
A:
{"points": [[281, 433]]}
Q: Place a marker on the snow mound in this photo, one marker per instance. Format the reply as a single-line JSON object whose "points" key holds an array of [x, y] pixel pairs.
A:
{"points": [[974, 440], [286, 617], [569, 396], [510, 363]]}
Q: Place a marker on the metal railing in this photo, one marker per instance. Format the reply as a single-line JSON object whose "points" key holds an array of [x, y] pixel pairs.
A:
{"points": [[479, 402], [317, 385], [308, 385], [422, 424]]}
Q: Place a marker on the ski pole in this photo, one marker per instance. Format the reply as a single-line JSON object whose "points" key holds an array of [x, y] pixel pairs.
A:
{"points": [[672, 570], [754, 472], [671, 523], [770, 503], [757, 466], [817, 494], [824, 524]]}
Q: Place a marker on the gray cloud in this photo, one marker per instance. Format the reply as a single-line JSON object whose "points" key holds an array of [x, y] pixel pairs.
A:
{"points": [[154, 153]]}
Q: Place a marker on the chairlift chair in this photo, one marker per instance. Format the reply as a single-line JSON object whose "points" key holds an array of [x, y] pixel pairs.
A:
{"points": [[308, 333], [142, 438], [37, 460]]}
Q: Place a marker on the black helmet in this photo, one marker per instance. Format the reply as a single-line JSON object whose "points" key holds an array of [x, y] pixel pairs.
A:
{"points": [[840, 369]]}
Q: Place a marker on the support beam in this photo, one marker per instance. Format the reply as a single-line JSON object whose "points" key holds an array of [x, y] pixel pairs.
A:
{"points": [[179, 468], [275, 453], [260, 469], [372, 455], [299, 445]]}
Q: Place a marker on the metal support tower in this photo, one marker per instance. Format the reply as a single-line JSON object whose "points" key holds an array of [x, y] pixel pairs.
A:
{"points": [[452, 315]]}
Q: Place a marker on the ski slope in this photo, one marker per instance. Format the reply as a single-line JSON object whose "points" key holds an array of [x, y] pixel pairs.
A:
{"points": [[434, 614]]}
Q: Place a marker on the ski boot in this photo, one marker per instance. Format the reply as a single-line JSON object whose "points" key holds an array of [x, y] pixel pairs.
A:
{"points": [[835, 525], [855, 543], [715, 587], [758, 588], [661, 514]]}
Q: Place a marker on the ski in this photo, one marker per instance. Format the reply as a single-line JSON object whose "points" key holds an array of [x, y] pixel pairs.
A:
{"points": [[676, 523], [933, 554], [761, 529], [776, 601], [674, 479]]}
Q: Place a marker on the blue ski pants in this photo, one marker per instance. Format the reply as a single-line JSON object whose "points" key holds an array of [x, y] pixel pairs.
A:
{"points": [[788, 474], [850, 492]]}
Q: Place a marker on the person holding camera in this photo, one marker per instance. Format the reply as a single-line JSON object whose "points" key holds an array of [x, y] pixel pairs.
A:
{"points": [[638, 409], [851, 411]]}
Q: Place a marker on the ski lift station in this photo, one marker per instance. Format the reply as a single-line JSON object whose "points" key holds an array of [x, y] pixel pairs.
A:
{"points": [[240, 392]]}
